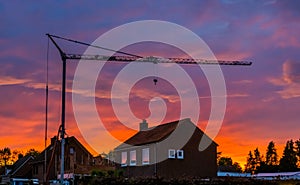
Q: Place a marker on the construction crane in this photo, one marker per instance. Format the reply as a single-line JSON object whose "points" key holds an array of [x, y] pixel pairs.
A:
{"points": [[126, 57]]}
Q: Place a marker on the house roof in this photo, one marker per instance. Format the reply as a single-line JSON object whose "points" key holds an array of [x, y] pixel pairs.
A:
{"points": [[155, 134], [41, 156], [19, 167]]}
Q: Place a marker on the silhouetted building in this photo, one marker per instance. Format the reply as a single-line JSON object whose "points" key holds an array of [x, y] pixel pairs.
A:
{"points": [[169, 150], [22, 169], [78, 161]]}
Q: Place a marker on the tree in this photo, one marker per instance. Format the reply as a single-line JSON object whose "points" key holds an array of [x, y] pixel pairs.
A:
{"points": [[250, 165], [226, 164], [32, 152], [225, 161], [271, 155], [288, 161], [257, 161], [5, 155], [271, 162], [297, 143], [237, 167], [219, 155], [16, 155]]}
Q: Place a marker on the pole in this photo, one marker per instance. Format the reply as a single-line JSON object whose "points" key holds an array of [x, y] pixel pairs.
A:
{"points": [[63, 108], [46, 115]]}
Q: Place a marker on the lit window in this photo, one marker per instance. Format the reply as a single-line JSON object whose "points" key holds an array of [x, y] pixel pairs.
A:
{"points": [[145, 156], [172, 153], [124, 159], [132, 158], [179, 154]]}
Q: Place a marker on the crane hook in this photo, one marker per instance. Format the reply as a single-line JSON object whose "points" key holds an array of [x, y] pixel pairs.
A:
{"points": [[155, 81]]}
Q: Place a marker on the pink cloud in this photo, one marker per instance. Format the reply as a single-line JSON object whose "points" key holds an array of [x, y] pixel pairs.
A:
{"points": [[289, 81]]}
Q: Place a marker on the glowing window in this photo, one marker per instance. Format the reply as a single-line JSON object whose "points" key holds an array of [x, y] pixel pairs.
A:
{"points": [[145, 156], [132, 158], [124, 159]]}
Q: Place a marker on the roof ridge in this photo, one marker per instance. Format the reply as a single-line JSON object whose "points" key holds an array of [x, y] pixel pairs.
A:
{"points": [[153, 134], [26, 159], [172, 122]]}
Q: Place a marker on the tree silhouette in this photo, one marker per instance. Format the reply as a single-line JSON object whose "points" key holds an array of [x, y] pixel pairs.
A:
{"points": [[32, 152], [237, 167], [5, 155], [288, 162], [271, 162], [271, 155], [250, 165], [255, 163], [16, 155], [257, 158], [226, 164], [297, 143], [225, 161]]}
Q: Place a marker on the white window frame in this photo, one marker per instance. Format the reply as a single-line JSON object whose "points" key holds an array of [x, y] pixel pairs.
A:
{"points": [[180, 154], [132, 158], [172, 154], [145, 151], [123, 156]]}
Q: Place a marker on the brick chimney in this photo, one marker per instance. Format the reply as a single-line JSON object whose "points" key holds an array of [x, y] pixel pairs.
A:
{"points": [[143, 125], [53, 139]]}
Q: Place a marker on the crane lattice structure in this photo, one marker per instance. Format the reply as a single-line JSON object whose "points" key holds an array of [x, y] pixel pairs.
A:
{"points": [[126, 57]]}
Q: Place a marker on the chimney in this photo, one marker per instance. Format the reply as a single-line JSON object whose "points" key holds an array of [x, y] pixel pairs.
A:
{"points": [[53, 140], [143, 125]]}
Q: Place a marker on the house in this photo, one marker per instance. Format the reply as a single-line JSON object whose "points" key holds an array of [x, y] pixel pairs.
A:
{"points": [[21, 169], [168, 150], [78, 161]]}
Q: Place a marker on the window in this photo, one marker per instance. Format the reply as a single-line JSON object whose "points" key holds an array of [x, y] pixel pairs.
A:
{"points": [[71, 150], [179, 154], [132, 158], [172, 154], [124, 159], [145, 156]]}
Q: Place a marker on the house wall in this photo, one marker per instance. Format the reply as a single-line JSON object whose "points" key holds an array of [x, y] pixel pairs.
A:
{"points": [[77, 160], [195, 163], [38, 168], [140, 169], [37, 172]]}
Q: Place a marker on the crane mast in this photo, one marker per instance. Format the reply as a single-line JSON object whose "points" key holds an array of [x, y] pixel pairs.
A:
{"points": [[126, 57]]}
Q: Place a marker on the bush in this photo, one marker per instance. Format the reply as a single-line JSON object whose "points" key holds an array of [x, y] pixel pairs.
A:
{"points": [[110, 180]]}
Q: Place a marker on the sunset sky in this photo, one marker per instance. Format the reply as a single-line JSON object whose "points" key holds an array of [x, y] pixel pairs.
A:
{"points": [[263, 100]]}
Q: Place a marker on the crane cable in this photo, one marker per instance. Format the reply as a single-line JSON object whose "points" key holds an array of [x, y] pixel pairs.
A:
{"points": [[95, 46]]}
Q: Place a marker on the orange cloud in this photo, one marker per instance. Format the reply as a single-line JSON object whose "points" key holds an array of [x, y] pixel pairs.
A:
{"points": [[10, 80]]}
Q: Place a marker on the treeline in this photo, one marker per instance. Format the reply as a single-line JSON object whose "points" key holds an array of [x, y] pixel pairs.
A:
{"points": [[8, 156], [289, 161], [256, 162]]}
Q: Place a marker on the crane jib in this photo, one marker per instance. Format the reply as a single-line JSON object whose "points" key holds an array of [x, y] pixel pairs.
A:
{"points": [[152, 59]]}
